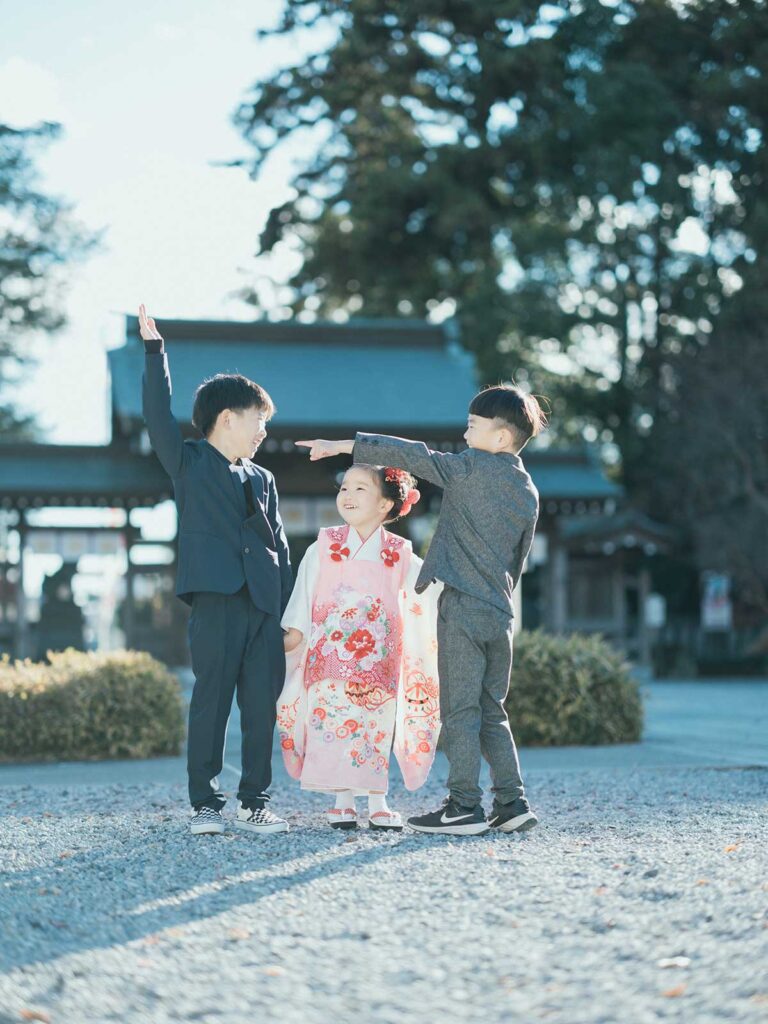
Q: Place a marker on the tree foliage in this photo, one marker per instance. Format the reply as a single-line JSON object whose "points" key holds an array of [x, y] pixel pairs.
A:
{"points": [[585, 181], [38, 238], [710, 472]]}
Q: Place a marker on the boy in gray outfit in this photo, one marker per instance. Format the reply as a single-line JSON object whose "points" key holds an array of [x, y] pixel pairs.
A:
{"points": [[484, 533]]}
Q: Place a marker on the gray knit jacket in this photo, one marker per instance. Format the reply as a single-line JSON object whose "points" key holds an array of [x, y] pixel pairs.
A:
{"points": [[487, 518]]}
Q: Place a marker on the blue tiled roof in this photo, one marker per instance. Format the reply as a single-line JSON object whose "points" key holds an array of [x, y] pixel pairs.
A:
{"points": [[573, 474], [379, 374], [390, 375], [80, 472], [628, 521]]}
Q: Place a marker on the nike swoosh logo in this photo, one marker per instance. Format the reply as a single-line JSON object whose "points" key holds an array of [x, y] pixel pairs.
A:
{"points": [[450, 821]]}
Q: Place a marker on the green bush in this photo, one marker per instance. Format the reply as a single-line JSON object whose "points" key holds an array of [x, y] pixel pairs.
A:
{"points": [[571, 690], [88, 707]]}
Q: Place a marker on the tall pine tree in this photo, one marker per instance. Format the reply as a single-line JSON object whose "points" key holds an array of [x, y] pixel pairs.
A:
{"points": [[38, 239]]}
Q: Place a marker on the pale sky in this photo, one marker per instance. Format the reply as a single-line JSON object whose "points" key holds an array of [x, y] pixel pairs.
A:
{"points": [[145, 94]]}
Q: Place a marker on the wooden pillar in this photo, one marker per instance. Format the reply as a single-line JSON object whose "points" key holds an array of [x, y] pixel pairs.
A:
{"points": [[21, 640], [619, 600], [558, 589], [517, 604], [644, 639], [128, 608]]}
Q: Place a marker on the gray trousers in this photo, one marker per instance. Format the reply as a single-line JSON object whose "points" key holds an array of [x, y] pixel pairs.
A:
{"points": [[236, 649], [474, 652]]}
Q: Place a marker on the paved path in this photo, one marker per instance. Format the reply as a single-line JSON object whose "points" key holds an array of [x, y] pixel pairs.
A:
{"points": [[718, 724]]}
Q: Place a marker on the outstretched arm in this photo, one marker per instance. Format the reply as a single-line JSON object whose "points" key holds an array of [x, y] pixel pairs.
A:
{"points": [[164, 432], [440, 468]]}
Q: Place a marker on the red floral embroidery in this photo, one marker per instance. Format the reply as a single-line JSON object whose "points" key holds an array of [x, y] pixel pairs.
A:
{"points": [[287, 743], [351, 724], [361, 643], [389, 557], [338, 553], [424, 748], [336, 635], [319, 712], [366, 687]]}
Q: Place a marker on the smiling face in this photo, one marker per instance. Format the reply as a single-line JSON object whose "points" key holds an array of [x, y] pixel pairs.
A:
{"points": [[360, 501], [245, 430], [488, 435]]}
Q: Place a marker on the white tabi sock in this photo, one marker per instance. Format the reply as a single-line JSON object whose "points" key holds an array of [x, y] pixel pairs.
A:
{"points": [[345, 799], [377, 802]]}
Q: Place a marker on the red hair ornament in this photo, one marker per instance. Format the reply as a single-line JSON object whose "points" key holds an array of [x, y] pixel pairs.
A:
{"points": [[403, 477], [410, 500]]}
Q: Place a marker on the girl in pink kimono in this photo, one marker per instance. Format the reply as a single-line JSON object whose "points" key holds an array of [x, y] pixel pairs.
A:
{"points": [[361, 655]]}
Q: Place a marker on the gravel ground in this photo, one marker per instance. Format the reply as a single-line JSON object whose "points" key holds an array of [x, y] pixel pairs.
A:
{"points": [[641, 897]]}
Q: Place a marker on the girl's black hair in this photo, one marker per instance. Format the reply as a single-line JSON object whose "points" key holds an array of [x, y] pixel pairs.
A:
{"points": [[395, 490], [227, 391]]}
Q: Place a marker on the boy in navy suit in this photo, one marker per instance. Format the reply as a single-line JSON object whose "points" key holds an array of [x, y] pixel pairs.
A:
{"points": [[233, 570]]}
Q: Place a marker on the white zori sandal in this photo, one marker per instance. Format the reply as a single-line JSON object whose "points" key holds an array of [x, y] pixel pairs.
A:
{"points": [[345, 819], [386, 821]]}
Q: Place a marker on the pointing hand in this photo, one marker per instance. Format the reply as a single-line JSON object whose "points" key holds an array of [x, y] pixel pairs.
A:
{"points": [[326, 449]]}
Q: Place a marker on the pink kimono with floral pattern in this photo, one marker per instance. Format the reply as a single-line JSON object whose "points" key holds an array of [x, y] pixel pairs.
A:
{"points": [[363, 683]]}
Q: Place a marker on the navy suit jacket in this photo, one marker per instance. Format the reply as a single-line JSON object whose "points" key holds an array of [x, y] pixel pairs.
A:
{"points": [[221, 547]]}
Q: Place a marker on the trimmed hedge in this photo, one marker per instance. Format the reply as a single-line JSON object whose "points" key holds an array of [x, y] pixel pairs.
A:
{"points": [[86, 706], [125, 704], [571, 690]]}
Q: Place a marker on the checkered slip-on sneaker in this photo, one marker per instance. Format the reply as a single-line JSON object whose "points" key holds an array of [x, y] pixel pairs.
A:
{"points": [[259, 820], [206, 821]]}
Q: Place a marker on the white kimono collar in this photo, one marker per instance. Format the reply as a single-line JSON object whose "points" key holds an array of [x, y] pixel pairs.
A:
{"points": [[358, 548]]}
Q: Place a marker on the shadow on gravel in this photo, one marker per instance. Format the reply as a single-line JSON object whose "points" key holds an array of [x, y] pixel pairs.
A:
{"points": [[134, 873], [83, 902]]}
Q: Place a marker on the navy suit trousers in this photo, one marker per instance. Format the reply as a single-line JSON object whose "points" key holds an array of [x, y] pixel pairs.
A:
{"points": [[236, 648]]}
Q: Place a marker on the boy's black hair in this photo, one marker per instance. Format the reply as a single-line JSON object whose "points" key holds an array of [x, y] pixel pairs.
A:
{"points": [[227, 391], [513, 407]]}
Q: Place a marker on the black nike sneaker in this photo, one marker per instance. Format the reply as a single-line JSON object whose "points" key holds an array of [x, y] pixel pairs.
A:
{"points": [[514, 817], [452, 820]]}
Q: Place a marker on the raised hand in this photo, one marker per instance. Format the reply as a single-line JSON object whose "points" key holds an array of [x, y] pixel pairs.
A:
{"points": [[325, 449], [147, 327]]}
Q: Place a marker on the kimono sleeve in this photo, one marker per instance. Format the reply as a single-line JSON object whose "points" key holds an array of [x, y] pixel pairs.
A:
{"points": [[417, 724], [292, 702], [298, 611]]}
